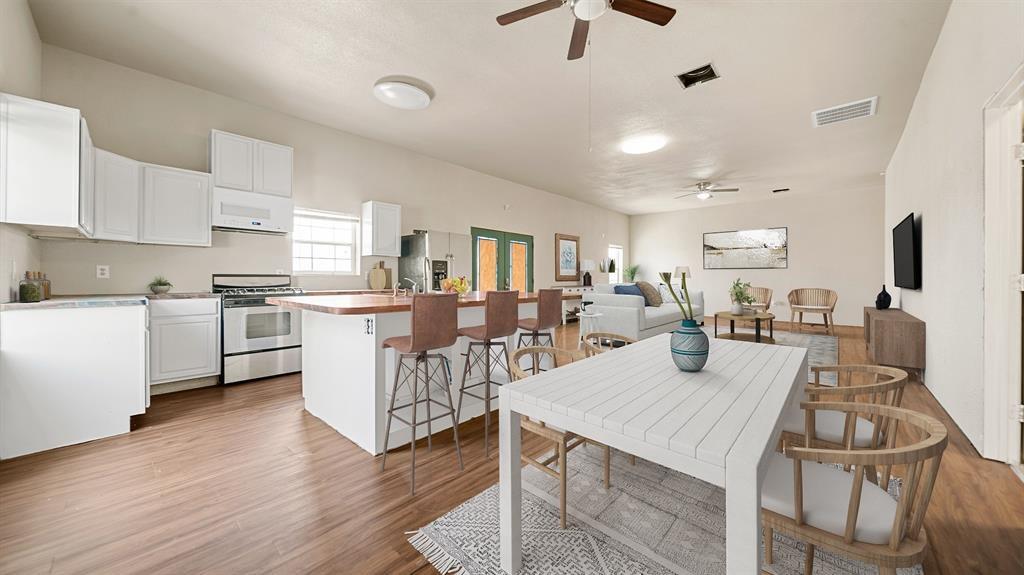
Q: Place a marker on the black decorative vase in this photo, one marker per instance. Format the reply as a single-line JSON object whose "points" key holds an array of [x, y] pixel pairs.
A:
{"points": [[587, 280], [883, 300]]}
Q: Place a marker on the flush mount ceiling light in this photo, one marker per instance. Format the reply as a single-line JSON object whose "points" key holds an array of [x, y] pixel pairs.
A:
{"points": [[644, 144], [401, 94]]}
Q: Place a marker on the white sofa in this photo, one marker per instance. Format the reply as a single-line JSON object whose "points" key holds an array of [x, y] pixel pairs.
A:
{"points": [[629, 316]]}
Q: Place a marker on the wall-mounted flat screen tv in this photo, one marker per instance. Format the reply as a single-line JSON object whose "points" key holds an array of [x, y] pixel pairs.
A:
{"points": [[906, 254]]}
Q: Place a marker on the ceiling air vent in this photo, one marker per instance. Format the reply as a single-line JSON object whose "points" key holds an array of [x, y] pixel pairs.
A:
{"points": [[851, 111], [697, 76]]}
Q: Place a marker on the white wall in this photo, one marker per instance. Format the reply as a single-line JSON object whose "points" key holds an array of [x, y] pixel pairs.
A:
{"points": [[161, 121], [834, 242], [21, 74], [936, 172]]}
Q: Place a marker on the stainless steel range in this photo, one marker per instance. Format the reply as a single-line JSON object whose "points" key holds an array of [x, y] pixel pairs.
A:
{"points": [[259, 340]]}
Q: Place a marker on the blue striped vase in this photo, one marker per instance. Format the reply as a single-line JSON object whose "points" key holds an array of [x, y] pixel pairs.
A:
{"points": [[689, 346]]}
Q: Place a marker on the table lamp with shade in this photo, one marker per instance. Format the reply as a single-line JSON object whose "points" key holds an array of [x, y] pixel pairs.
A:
{"points": [[587, 266]]}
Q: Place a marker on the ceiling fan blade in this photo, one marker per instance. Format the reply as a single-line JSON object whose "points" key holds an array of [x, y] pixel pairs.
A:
{"points": [[655, 13], [578, 44], [684, 196], [531, 10], [716, 190]]}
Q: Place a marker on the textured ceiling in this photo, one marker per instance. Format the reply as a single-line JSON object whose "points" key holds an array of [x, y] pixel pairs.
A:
{"points": [[509, 104]]}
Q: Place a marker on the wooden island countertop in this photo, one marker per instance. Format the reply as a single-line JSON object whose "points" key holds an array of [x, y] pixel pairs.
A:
{"points": [[365, 304]]}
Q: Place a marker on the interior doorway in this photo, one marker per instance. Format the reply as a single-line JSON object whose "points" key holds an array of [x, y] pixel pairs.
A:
{"points": [[502, 260]]}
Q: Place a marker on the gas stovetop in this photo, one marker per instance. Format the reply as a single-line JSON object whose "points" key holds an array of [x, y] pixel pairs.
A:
{"points": [[260, 291]]}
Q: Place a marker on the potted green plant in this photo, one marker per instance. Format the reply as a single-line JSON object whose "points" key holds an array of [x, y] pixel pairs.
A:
{"points": [[739, 296], [689, 344], [630, 272], [160, 285]]}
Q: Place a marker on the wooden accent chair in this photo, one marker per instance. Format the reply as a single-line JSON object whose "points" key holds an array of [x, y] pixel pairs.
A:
{"points": [[804, 499], [873, 384], [762, 298], [565, 441], [813, 300], [598, 342]]}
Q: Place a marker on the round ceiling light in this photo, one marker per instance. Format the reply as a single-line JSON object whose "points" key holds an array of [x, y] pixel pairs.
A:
{"points": [[589, 9], [643, 144], [402, 95]]}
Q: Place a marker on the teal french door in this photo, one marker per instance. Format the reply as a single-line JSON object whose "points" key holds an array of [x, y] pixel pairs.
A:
{"points": [[502, 260]]}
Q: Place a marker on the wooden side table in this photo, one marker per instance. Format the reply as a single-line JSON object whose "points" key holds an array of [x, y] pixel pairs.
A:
{"points": [[755, 337]]}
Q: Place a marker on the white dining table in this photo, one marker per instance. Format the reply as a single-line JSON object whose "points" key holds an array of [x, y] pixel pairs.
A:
{"points": [[719, 425]]}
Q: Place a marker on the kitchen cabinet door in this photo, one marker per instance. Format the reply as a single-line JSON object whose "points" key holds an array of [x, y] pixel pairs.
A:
{"points": [[39, 163], [440, 242], [183, 347], [462, 254], [87, 183], [175, 206], [382, 229], [273, 173], [117, 187], [232, 159]]}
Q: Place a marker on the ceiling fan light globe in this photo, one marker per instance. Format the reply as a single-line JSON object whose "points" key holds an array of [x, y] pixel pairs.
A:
{"points": [[704, 195], [589, 9]]}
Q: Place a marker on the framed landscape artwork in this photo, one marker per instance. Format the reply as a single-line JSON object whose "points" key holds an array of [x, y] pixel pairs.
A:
{"points": [[567, 261], [747, 249]]}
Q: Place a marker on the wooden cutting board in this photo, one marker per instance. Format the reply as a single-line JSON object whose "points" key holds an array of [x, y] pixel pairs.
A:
{"points": [[378, 278]]}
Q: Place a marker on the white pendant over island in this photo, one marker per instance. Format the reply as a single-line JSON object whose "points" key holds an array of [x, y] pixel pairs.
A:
{"points": [[347, 375]]}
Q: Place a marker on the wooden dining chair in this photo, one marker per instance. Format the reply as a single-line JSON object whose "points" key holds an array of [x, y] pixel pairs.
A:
{"points": [[812, 300], [597, 342], [872, 384], [813, 499], [565, 441]]}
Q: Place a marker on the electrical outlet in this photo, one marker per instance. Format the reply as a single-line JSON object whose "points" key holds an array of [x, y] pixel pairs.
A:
{"points": [[103, 272]]}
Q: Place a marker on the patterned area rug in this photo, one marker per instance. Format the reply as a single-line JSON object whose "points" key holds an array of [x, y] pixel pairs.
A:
{"points": [[652, 521], [821, 349]]}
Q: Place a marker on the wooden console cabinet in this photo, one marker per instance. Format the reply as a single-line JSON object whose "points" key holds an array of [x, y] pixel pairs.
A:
{"points": [[894, 337]]}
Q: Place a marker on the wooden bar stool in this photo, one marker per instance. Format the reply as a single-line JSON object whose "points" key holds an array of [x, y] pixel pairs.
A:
{"points": [[435, 323], [501, 320], [549, 316]]}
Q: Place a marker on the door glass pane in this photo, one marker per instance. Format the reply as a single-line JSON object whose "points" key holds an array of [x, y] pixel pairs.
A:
{"points": [[615, 254], [273, 324], [517, 266], [487, 264]]}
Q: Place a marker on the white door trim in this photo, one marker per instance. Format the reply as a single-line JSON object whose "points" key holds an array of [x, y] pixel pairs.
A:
{"points": [[1003, 207]]}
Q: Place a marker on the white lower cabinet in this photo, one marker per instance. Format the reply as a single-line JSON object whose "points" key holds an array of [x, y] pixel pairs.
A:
{"points": [[184, 339], [175, 206]]}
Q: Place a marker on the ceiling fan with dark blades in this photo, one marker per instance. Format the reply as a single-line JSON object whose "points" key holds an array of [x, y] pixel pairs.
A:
{"points": [[707, 190], [587, 10]]}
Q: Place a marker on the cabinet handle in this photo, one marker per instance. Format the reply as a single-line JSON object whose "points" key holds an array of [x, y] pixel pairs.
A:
{"points": [[369, 326]]}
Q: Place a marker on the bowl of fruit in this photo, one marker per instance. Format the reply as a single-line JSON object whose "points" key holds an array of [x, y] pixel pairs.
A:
{"points": [[459, 285]]}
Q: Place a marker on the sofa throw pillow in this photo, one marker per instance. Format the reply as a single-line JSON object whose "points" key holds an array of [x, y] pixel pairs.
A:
{"points": [[666, 295], [651, 295], [629, 289]]}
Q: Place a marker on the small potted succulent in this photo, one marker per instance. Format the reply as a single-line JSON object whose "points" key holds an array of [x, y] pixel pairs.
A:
{"points": [[160, 285], [739, 294], [630, 272]]}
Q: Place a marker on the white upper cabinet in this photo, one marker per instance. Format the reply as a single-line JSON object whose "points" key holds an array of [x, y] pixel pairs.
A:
{"points": [[232, 160], [382, 229], [273, 169], [118, 186], [87, 183], [250, 165], [39, 163], [175, 206]]}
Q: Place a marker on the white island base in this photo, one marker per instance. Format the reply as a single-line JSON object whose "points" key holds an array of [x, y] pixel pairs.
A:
{"points": [[347, 376]]}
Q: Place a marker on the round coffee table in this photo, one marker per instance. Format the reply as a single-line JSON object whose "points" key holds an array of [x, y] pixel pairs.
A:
{"points": [[757, 317]]}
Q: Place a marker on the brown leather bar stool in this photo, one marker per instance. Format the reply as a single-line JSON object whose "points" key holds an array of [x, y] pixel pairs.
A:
{"points": [[435, 320], [501, 319], [549, 316]]}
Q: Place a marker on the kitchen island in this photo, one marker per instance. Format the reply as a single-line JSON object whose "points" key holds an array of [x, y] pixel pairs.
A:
{"points": [[347, 376]]}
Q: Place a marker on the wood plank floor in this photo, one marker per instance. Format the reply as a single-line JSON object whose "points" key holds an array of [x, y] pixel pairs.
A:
{"points": [[240, 480]]}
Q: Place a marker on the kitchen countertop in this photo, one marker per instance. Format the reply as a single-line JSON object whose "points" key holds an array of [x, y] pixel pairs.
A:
{"points": [[363, 304], [91, 301]]}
